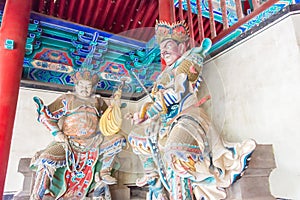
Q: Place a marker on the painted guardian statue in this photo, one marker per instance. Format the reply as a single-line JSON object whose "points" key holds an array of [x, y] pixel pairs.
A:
{"points": [[183, 156], [81, 158]]}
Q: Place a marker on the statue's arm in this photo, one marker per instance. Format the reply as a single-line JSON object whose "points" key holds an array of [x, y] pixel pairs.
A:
{"points": [[49, 115], [101, 104], [168, 97]]}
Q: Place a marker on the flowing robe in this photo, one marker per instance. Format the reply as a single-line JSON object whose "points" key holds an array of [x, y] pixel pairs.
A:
{"points": [[187, 152]]}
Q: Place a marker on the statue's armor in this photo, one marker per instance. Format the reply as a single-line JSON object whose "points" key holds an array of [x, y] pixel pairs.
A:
{"points": [[76, 160], [81, 123]]}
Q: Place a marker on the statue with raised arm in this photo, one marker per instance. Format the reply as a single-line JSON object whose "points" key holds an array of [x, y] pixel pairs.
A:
{"points": [[184, 158], [81, 158]]}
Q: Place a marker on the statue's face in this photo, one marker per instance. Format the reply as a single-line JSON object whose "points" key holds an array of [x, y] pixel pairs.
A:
{"points": [[84, 88], [170, 51]]}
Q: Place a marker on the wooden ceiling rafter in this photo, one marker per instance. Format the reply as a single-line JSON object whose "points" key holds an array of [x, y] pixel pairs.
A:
{"points": [[115, 16], [206, 28], [79, 12], [41, 7], [97, 15], [121, 17], [146, 21], [52, 7], [151, 9], [106, 8], [196, 29], [130, 14], [152, 22], [61, 8], [89, 12], [139, 13], [111, 22], [113, 7], [70, 10]]}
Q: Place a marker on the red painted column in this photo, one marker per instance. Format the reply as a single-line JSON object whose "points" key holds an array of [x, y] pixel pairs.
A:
{"points": [[165, 11], [14, 27]]}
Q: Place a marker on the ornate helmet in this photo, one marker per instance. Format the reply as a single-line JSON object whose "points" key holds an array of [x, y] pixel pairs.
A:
{"points": [[87, 71], [86, 74], [177, 31]]}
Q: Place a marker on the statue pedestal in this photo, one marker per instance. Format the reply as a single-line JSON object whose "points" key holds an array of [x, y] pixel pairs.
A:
{"points": [[29, 176], [119, 192], [254, 184]]}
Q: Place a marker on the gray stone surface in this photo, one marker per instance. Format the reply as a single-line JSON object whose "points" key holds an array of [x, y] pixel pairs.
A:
{"points": [[254, 185], [24, 169]]}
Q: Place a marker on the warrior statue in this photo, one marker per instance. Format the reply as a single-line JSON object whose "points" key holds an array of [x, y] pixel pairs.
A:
{"points": [[184, 157], [81, 158]]}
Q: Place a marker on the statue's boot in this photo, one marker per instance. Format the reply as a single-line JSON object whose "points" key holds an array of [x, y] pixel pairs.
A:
{"points": [[108, 179], [41, 183], [140, 182]]}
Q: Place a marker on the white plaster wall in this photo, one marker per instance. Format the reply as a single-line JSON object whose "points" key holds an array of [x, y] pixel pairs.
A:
{"points": [[255, 88], [29, 135]]}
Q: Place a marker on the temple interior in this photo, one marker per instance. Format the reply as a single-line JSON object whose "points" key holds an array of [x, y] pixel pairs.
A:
{"points": [[251, 74]]}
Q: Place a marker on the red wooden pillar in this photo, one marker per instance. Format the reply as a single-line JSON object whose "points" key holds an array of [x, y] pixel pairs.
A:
{"points": [[191, 26], [14, 27], [165, 11], [212, 19], [165, 14], [180, 10]]}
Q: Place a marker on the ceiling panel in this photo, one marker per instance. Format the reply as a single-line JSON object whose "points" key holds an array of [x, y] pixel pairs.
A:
{"points": [[62, 34]]}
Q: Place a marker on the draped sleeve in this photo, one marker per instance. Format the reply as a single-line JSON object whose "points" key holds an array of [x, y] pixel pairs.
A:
{"points": [[49, 115]]}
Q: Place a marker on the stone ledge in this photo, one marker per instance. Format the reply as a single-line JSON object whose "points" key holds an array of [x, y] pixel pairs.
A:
{"points": [[254, 185]]}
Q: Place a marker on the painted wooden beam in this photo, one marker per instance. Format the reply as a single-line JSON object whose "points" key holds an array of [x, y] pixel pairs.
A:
{"points": [[244, 20]]}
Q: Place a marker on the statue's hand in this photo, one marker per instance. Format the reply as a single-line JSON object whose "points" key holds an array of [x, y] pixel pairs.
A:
{"points": [[135, 118], [128, 116], [60, 137], [39, 103], [117, 97]]}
